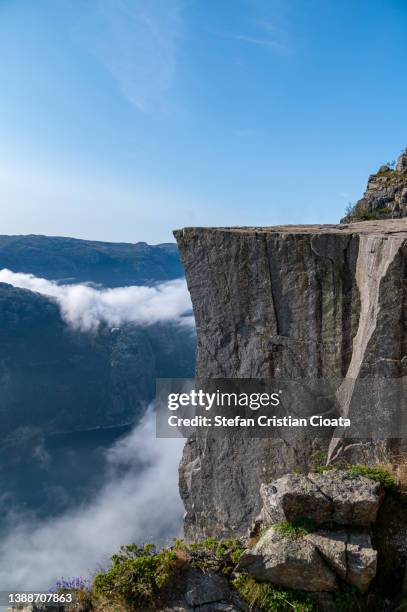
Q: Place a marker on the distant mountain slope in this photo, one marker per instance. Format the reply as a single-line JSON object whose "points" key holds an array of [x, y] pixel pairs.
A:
{"points": [[67, 395], [58, 380], [72, 260]]}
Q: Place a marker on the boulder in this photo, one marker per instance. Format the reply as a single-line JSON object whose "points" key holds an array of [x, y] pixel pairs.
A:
{"points": [[336, 496], [204, 589], [332, 546], [290, 563], [292, 497], [350, 555], [361, 561], [402, 163], [356, 499], [312, 562]]}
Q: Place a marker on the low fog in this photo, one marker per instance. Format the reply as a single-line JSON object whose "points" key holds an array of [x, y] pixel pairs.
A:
{"points": [[84, 308], [134, 505]]}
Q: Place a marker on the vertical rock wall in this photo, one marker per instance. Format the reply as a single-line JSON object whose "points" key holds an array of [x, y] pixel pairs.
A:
{"points": [[289, 302]]}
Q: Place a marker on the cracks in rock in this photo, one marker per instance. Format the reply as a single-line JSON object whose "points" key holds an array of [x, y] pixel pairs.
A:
{"points": [[347, 276], [275, 332], [330, 499], [327, 563], [346, 556]]}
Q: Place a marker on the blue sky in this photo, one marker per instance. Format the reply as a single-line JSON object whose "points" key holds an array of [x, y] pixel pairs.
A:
{"points": [[124, 119]]}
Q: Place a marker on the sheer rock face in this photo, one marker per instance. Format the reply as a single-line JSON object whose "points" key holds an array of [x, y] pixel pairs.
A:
{"points": [[289, 302], [385, 195]]}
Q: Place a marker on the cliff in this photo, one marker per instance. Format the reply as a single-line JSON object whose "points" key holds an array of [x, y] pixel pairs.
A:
{"points": [[306, 302], [385, 195]]}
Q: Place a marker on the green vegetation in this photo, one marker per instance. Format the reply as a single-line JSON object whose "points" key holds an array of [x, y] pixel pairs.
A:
{"points": [[142, 578], [295, 529], [356, 211], [369, 216], [215, 555], [377, 473], [267, 598], [318, 461], [138, 576]]}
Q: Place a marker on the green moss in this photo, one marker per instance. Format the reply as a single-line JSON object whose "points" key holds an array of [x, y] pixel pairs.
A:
{"points": [[295, 529], [317, 462], [139, 576], [375, 473], [267, 598]]}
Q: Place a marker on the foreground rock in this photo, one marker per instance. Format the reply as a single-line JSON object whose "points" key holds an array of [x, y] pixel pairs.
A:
{"points": [[202, 589], [332, 547], [291, 563], [361, 561], [198, 591], [336, 495], [347, 504], [313, 562]]}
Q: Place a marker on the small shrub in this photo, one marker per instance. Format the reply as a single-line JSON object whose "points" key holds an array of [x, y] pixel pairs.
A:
{"points": [[368, 216], [377, 473], [138, 575], [349, 209], [295, 529], [268, 598], [215, 555]]}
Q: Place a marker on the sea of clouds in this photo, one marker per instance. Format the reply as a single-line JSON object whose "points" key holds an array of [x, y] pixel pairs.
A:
{"points": [[139, 502], [84, 307]]}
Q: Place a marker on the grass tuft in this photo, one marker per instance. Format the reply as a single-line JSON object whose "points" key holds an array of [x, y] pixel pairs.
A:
{"points": [[265, 597], [377, 473], [295, 529]]}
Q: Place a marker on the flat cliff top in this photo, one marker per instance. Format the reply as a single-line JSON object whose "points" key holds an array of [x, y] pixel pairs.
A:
{"points": [[391, 227]]}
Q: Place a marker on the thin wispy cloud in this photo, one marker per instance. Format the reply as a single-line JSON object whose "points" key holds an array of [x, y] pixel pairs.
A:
{"points": [[85, 308], [261, 42], [138, 44]]}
